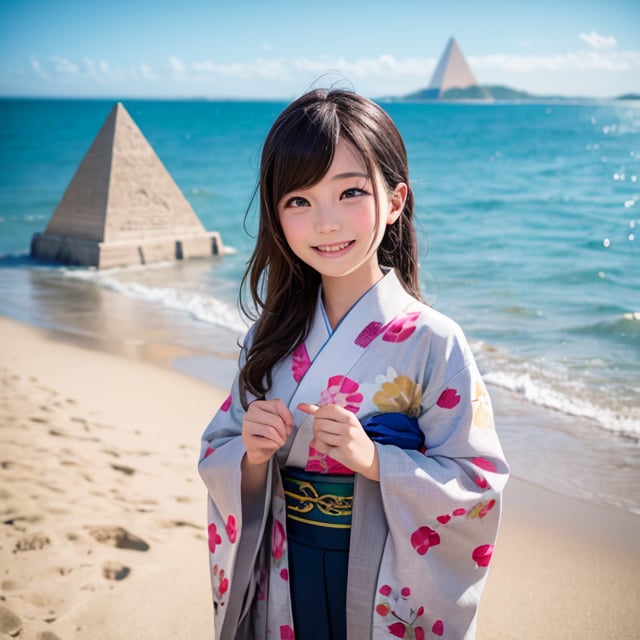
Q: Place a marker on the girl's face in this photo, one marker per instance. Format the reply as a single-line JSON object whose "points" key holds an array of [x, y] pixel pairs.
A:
{"points": [[334, 227]]}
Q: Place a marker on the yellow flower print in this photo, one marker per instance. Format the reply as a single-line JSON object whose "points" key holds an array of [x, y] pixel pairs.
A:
{"points": [[400, 395], [482, 411], [481, 509]]}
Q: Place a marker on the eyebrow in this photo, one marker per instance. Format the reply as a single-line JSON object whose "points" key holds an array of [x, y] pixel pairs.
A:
{"points": [[351, 174]]}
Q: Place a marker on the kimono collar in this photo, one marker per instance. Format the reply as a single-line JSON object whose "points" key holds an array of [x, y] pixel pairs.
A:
{"points": [[376, 307]]}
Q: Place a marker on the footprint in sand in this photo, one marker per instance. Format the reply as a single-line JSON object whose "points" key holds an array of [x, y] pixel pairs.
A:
{"points": [[47, 635], [33, 542], [115, 571], [172, 524], [10, 623], [11, 585], [123, 468], [118, 537]]}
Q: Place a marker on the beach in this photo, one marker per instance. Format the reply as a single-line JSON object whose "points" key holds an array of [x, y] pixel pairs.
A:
{"points": [[104, 530]]}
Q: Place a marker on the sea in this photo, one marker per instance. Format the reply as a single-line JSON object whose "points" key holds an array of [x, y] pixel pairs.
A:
{"points": [[528, 218]]}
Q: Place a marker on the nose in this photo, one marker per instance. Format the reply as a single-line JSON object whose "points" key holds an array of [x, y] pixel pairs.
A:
{"points": [[326, 219]]}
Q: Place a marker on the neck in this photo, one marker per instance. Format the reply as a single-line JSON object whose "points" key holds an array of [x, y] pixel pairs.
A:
{"points": [[340, 294]]}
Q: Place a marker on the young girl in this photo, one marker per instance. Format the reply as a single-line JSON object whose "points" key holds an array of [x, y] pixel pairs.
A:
{"points": [[354, 472]]}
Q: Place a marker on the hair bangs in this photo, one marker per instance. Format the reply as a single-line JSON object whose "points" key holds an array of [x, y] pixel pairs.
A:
{"points": [[302, 152]]}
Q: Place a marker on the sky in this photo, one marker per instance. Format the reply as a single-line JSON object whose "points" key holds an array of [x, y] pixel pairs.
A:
{"points": [[277, 49]]}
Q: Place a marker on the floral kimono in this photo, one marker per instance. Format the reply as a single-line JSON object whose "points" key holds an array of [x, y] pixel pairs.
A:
{"points": [[422, 537]]}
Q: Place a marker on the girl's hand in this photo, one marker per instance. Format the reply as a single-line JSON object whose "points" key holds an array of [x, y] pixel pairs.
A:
{"points": [[265, 428], [339, 434]]}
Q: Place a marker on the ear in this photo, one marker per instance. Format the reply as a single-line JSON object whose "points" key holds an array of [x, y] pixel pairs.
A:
{"points": [[396, 202]]}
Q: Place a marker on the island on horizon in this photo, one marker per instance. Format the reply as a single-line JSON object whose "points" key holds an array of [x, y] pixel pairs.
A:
{"points": [[453, 80]]}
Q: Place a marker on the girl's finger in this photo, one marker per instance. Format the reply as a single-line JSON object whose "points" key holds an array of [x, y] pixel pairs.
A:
{"points": [[306, 407]]}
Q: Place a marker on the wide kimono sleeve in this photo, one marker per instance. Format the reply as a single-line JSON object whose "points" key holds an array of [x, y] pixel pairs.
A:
{"points": [[234, 521], [441, 504]]}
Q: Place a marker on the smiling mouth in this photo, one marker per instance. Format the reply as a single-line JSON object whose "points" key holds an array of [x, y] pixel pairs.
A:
{"points": [[333, 248]]}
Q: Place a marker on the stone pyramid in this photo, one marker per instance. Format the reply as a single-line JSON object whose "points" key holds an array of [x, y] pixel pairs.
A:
{"points": [[122, 207], [452, 72]]}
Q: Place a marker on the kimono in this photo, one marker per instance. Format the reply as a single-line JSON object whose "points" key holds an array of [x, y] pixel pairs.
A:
{"points": [[422, 537]]}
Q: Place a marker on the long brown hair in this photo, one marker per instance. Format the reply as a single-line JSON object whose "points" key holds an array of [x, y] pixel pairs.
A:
{"points": [[297, 153]]}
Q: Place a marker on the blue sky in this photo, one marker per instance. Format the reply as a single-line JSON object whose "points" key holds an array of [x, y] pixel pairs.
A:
{"points": [[277, 49]]}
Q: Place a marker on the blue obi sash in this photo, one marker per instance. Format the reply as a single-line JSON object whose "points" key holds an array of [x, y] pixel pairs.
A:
{"points": [[398, 429]]}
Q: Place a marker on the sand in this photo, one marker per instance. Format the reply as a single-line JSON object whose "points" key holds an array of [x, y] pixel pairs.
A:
{"points": [[103, 514]]}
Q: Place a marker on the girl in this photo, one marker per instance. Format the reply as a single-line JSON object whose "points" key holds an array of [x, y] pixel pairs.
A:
{"points": [[354, 472]]}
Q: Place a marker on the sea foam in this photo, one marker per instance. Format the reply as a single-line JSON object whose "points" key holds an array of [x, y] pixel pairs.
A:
{"points": [[199, 306]]}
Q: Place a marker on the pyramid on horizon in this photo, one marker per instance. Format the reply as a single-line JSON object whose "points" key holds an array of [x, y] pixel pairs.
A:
{"points": [[123, 207], [451, 73]]}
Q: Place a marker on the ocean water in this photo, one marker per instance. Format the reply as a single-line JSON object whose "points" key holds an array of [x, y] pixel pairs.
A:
{"points": [[529, 229]]}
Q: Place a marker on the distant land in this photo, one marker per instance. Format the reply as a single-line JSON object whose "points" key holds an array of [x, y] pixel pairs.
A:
{"points": [[497, 92]]}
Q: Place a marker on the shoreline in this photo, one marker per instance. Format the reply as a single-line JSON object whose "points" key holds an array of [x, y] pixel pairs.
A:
{"points": [[99, 462]]}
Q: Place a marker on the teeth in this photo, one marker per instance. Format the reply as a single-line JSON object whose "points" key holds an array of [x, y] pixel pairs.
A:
{"points": [[333, 248]]}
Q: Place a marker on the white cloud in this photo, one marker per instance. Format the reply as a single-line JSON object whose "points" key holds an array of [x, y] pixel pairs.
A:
{"points": [[93, 70], [596, 41], [176, 66], [576, 61], [37, 67], [385, 67], [380, 67], [381, 75], [99, 71], [142, 72], [64, 65]]}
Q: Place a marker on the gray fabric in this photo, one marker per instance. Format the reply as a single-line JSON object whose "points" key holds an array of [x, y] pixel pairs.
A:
{"points": [[368, 536]]}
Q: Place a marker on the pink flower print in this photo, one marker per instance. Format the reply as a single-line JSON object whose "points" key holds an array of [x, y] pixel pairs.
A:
{"points": [[418, 633], [448, 399], [485, 464], [438, 628], [226, 405], [208, 452], [405, 592], [423, 539], [482, 555], [214, 537], [400, 328], [286, 632], [459, 512], [321, 463], [278, 539], [368, 334], [398, 629], [220, 585], [444, 518], [487, 507], [284, 574], [385, 590], [481, 481], [300, 363], [341, 391], [231, 528]]}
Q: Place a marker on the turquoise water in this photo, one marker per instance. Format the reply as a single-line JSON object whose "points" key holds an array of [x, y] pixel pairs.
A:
{"points": [[528, 218]]}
